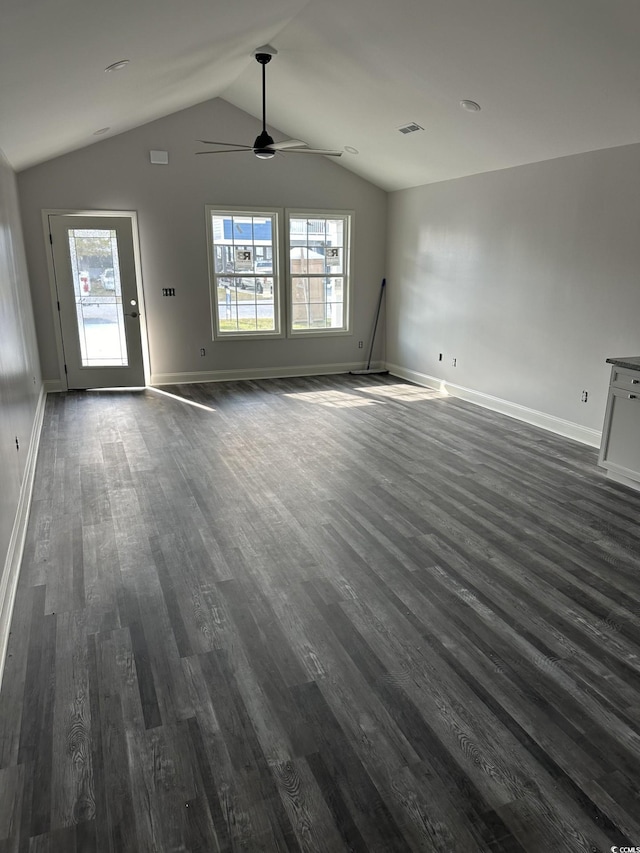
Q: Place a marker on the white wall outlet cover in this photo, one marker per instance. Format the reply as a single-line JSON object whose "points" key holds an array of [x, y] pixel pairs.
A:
{"points": [[160, 158]]}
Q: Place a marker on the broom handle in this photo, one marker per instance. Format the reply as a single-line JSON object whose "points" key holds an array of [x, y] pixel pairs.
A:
{"points": [[375, 325]]}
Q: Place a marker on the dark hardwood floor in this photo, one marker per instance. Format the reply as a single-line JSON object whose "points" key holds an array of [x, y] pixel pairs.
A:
{"points": [[326, 614]]}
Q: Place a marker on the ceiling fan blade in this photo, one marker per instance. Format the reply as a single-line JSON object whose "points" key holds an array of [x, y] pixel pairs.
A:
{"points": [[312, 151], [288, 143], [226, 151], [235, 144]]}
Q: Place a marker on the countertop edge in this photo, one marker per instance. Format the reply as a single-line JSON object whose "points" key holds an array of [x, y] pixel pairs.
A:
{"points": [[631, 362]]}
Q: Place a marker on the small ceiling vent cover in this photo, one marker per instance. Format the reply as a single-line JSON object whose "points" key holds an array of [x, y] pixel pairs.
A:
{"points": [[410, 128]]}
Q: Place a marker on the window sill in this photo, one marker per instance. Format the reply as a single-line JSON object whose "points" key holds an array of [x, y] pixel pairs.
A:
{"points": [[318, 333], [247, 336]]}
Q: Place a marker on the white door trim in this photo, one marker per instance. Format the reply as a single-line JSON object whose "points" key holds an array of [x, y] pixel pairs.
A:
{"points": [[144, 339]]}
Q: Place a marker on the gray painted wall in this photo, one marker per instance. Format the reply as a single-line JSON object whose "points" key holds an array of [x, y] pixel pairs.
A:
{"points": [[529, 277], [19, 368], [115, 174]]}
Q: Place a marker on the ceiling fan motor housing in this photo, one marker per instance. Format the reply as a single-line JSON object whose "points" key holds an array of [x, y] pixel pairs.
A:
{"points": [[261, 147]]}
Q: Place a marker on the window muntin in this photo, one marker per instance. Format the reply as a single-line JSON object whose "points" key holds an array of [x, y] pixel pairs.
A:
{"points": [[244, 264], [318, 259]]}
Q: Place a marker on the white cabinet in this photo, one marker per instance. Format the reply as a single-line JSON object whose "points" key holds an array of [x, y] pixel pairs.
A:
{"points": [[620, 449]]}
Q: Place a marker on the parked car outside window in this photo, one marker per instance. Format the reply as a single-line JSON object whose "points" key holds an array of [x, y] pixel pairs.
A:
{"points": [[108, 279]]}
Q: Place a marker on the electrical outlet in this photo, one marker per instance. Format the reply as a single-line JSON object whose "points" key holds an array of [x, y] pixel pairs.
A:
{"points": [[440, 357], [585, 396], [454, 362], [168, 291], [202, 351], [17, 444], [360, 344]]}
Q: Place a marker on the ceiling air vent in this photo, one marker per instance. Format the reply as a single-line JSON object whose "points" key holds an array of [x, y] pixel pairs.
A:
{"points": [[410, 128]]}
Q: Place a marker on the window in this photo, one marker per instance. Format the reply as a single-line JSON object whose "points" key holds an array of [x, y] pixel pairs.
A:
{"points": [[319, 272], [244, 252], [243, 258]]}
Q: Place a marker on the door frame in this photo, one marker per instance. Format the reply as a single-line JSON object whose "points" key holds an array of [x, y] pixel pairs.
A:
{"points": [[144, 338]]}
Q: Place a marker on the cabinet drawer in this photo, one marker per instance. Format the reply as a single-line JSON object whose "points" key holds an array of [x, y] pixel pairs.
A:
{"points": [[627, 380]]}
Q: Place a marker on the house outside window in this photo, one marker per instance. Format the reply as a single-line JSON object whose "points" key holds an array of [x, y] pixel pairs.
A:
{"points": [[319, 267], [244, 273]]}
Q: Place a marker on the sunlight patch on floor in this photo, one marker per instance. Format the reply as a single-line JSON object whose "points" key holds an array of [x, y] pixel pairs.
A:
{"points": [[120, 389], [182, 399], [333, 399], [406, 393]]}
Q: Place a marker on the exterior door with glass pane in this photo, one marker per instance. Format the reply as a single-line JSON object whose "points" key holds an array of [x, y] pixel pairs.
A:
{"points": [[95, 278]]}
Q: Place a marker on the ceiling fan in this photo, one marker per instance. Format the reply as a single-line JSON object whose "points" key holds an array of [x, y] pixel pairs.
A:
{"points": [[264, 147]]}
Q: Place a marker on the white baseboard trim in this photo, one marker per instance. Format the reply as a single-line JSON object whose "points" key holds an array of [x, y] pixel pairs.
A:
{"points": [[11, 570], [568, 429], [624, 481], [254, 373], [52, 386]]}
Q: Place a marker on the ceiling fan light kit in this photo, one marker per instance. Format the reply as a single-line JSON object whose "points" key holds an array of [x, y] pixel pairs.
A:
{"points": [[264, 148]]}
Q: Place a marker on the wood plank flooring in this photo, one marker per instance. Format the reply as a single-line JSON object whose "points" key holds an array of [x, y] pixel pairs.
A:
{"points": [[325, 614]]}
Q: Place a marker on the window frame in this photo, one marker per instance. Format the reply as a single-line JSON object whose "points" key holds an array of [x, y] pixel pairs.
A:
{"points": [[217, 333], [347, 275]]}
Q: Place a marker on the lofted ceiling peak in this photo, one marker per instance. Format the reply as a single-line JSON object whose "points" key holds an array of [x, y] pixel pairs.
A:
{"points": [[552, 78]]}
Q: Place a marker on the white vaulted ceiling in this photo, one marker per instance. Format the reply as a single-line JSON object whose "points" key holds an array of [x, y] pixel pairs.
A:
{"points": [[553, 77]]}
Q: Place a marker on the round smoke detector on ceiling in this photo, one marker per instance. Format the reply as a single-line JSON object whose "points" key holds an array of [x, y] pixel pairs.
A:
{"points": [[470, 106], [116, 66], [101, 131], [350, 149]]}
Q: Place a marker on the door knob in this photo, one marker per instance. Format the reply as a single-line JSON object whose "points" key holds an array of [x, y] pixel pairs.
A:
{"points": [[133, 314]]}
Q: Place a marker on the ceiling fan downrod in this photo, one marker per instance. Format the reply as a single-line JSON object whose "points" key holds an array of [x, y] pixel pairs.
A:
{"points": [[261, 146]]}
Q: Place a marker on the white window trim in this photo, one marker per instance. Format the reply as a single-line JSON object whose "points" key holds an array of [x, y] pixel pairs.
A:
{"points": [[315, 213], [279, 288]]}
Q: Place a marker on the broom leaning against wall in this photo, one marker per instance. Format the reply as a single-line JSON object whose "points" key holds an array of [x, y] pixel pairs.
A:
{"points": [[368, 369]]}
